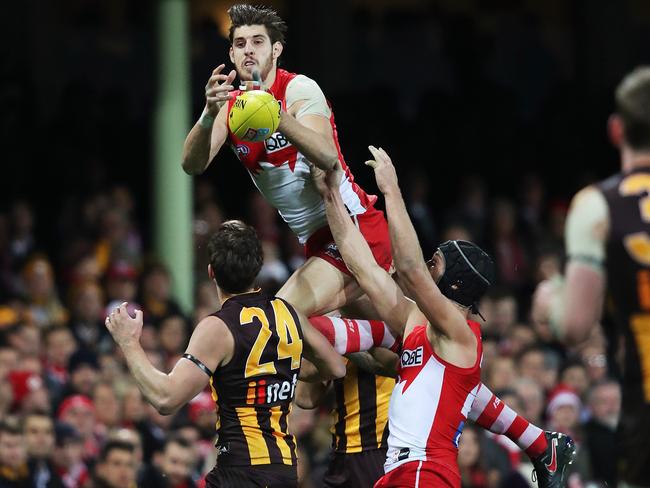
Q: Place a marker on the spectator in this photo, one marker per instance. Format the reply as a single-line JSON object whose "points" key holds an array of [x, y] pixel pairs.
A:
{"points": [[604, 400], [83, 369], [87, 304], [43, 305], [59, 345], [173, 466], [116, 466], [109, 411], [68, 457], [156, 299], [38, 430], [79, 412], [14, 472]]}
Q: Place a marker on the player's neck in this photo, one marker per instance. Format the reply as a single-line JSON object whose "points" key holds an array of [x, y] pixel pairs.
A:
{"points": [[631, 160], [224, 295], [270, 79]]}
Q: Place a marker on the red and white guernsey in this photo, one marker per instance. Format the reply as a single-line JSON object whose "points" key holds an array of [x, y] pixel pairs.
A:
{"points": [[429, 405], [281, 174]]}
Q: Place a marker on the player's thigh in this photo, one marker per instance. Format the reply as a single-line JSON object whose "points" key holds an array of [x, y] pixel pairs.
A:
{"points": [[318, 287]]}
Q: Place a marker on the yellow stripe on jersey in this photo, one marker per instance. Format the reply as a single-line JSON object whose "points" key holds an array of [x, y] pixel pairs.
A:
{"points": [[250, 427], [353, 417], [384, 390], [215, 397], [281, 437]]}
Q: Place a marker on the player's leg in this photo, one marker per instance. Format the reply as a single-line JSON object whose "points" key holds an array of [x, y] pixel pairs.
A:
{"points": [[551, 452], [318, 287]]}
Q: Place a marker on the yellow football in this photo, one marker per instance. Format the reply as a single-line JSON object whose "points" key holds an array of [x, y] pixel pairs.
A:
{"points": [[254, 116]]}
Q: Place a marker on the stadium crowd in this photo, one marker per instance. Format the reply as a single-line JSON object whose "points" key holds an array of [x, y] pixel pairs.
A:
{"points": [[513, 85], [71, 415]]}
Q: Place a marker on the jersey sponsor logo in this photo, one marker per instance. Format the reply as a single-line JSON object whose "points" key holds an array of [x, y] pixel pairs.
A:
{"points": [[276, 142], [281, 391], [260, 393], [412, 357]]}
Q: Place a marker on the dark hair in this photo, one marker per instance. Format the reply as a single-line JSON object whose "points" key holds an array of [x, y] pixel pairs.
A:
{"points": [[235, 255], [176, 439], [633, 106], [245, 14], [113, 446], [11, 426]]}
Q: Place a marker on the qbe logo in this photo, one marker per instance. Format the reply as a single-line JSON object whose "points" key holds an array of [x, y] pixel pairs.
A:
{"points": [[276, 142], [412, 357]]}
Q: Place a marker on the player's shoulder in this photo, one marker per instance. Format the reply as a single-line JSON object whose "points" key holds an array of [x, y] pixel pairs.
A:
{"points": [[302, 83], [210, 325], [589, 196]]}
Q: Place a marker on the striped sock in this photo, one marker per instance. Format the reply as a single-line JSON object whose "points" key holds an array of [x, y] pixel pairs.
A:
{"points": [[492, 414], [354, 335]]}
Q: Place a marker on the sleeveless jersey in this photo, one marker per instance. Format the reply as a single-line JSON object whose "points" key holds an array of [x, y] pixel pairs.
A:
{"points": [[253, 392], [628, 277], [281, 173], [360, 416], [429, 405]]}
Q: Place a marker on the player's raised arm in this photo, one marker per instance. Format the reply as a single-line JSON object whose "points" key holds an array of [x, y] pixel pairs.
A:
{"points": [[318, 350], [391, 304], [307, 122], [409, 261], [210, 132], [210, 344]]}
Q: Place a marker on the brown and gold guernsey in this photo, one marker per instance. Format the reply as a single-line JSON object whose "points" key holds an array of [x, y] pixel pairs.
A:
{"points": [[360, 417], [628, 278], [253, 392]]}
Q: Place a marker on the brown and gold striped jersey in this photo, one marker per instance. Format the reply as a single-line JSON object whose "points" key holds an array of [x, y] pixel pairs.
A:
{"points": [[360, 417], [253, 392]]}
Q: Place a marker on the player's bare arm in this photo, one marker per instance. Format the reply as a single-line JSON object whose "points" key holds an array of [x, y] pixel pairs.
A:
{"points": [[307, 125], [391, 304], [210, 132], [411, 267], [311, 395], [211, 344], [378, 360], [573, 306], [317, 350]]}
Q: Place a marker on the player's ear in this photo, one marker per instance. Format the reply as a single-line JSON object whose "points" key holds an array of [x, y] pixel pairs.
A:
{"points": [[615, 130], [210, 272], [232, 55], [277, 49]]}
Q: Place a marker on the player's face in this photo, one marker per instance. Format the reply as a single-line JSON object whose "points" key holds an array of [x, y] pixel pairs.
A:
{"points": [[252, 50], [436, 265]]}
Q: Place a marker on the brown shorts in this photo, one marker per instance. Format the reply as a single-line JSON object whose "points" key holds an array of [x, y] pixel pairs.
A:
{"points": [[268, 476], [359, 470]]}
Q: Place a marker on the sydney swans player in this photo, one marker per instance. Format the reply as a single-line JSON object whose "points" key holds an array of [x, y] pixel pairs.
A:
{"points": [[439, 372], [279, 166]]}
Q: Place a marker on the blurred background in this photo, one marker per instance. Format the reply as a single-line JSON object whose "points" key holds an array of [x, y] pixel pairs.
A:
{"points": [[494, 112]]}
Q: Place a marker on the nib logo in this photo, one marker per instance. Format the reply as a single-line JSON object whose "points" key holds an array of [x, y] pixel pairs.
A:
{"points": [[552, 466]]}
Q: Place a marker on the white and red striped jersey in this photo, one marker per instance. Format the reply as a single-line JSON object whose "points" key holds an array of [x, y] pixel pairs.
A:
{"points": [[281, 173], [429, 405]]}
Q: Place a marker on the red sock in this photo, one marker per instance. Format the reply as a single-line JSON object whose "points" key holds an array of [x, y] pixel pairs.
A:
{"points": [[492, 414], [354, 335]]}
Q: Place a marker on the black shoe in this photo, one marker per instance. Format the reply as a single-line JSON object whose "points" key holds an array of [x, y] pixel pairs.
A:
{"points": [[550, 466]]}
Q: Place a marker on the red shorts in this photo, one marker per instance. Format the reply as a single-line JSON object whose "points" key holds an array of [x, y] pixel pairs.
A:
{"points": [[373, 227], [419, 474]]}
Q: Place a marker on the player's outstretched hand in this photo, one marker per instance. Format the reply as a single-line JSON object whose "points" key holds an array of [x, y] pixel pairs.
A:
{"points": [[384, 170], [124, 328], [217, 88], [326, 181]]}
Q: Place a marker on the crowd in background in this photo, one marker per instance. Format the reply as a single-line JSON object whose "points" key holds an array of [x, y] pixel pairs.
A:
{"points": [[494, 113], [70, 410]]}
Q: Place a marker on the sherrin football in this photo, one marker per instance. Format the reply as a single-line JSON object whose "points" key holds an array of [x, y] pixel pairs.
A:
{"points": [[254, 116]]}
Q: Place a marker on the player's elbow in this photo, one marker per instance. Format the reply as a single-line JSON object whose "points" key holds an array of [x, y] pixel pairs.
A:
{"points": [[166, 405], [190, 168], [338, 368]]}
